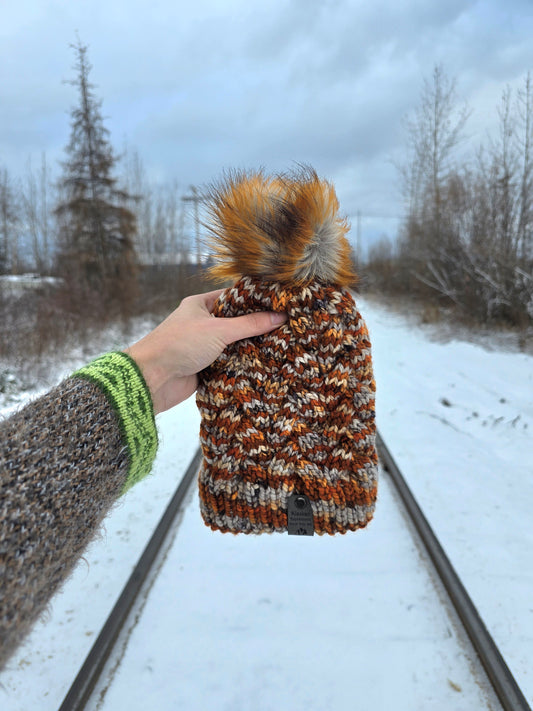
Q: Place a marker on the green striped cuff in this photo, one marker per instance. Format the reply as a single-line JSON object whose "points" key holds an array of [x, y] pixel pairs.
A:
{"points": [[122, 381]]}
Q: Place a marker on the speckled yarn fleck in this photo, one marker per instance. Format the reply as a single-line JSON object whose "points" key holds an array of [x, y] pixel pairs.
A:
{"points": [[291, 411]]}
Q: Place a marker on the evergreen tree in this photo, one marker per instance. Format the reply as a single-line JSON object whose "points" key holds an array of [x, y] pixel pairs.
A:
{"points": [[96, 253]]}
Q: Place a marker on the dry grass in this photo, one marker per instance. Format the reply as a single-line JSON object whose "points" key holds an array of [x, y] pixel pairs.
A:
{"points": [[39, 326]]}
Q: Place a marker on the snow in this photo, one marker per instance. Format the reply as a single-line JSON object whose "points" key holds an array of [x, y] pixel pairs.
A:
{"points": [[356, 621], [458, 419], [19, 283], [274, 622], [23, 381]]}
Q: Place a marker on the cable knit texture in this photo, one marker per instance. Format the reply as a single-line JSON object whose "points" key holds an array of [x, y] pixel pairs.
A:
{"points": [[64, 461], [292, 411]]}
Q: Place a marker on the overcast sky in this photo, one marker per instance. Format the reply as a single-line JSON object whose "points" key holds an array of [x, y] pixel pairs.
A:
{"points": [[204, 85]]}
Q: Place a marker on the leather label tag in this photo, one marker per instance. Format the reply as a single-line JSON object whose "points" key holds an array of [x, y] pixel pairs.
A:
{"points": [[300, 516]]}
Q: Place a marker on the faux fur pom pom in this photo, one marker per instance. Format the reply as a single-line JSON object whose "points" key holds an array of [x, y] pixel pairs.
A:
{"points": [[282, 228]]}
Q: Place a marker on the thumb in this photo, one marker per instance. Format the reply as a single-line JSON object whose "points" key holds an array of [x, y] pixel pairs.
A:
{"points": [[238, 327]]}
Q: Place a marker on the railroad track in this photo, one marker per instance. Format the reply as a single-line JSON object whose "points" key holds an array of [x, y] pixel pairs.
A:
{"points": [[498, 674]]}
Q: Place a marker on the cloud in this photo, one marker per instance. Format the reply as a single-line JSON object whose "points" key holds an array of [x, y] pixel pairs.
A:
{"points": [[219, 83]]}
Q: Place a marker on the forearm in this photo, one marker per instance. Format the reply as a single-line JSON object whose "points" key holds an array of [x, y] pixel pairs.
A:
{"points": [[64, 460]]}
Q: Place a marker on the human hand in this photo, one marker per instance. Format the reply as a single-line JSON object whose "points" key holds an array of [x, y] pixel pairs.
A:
{"points": [[187, 341]]}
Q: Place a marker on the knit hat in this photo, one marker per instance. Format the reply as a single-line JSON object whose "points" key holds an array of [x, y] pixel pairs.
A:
{"points": [[288, 418]]}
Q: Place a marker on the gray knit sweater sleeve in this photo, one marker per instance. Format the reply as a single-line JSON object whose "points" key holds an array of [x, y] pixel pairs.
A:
{"points": [[64, 460]]}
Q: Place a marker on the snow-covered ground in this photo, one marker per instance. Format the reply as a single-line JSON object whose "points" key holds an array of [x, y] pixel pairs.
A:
{"points": [[37, 374], [279, 622], [458, 419], [353, 621]]}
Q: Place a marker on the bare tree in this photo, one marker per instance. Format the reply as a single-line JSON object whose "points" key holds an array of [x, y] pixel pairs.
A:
{"points": [[434, 134], [159, 210], [9, 224], [525, 139], [503, 181], [467, 234], [37, 200], [430, 178], [138, 187]]}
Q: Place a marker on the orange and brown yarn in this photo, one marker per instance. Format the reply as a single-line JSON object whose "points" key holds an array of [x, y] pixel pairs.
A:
{"points": [[291, 411]]}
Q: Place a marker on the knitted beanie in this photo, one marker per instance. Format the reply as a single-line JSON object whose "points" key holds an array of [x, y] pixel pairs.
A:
{"points": [[287, 418]]}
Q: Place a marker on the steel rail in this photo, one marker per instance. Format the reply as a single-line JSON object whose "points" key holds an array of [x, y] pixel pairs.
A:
{"points": [[499, 674], [85, 681]]}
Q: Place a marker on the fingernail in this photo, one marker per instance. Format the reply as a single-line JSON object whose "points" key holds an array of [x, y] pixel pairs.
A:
{"points": [[277, 318]]}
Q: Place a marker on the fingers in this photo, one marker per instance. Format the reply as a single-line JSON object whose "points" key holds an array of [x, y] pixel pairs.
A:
{"points": [[200, 302], [235, 328], [250, 325], [210, 297]]}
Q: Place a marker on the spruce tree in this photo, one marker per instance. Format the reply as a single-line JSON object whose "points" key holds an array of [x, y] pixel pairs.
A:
{"points": [[96, 255]]}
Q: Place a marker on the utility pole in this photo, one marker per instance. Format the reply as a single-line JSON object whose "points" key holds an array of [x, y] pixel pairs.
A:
{"points": [[195, 198], [358, 237]]}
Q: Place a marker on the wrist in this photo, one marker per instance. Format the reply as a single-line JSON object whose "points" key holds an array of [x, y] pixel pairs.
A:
{"points": [[119, 376], [152, 374]]}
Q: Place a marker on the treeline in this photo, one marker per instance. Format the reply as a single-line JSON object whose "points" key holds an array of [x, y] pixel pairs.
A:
{"points": [[467, 237], [93, 213], [115, 244], [30, 223]]}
